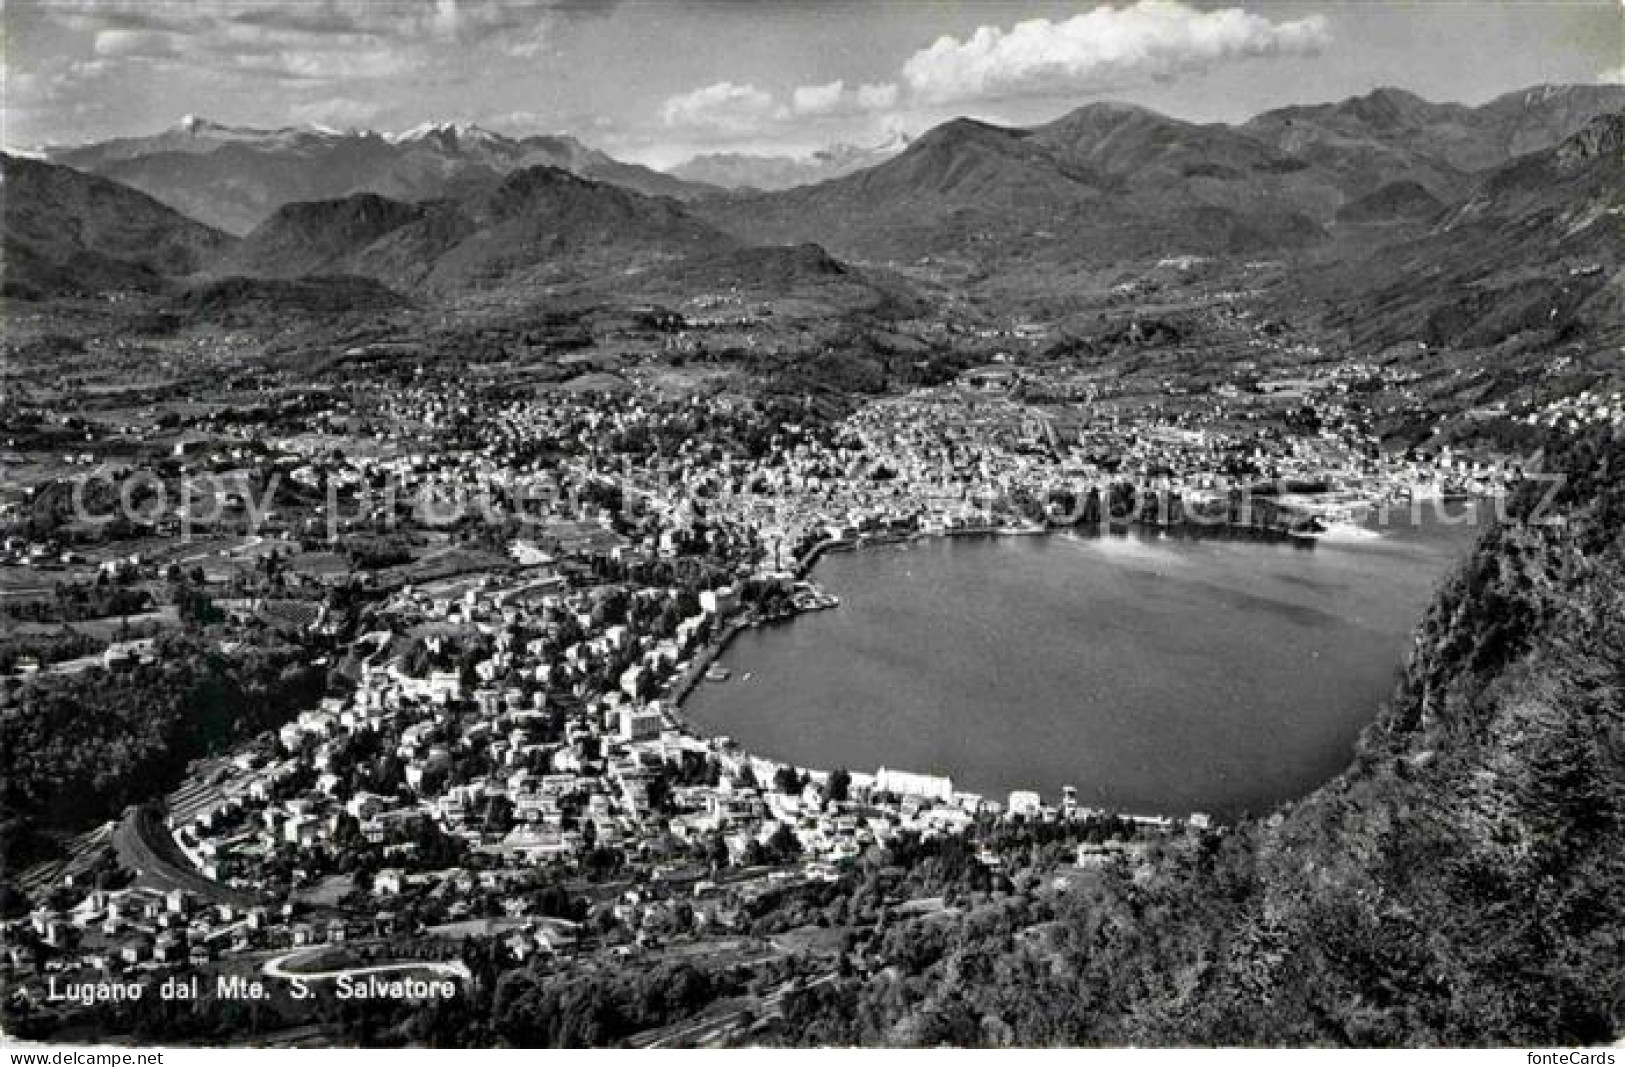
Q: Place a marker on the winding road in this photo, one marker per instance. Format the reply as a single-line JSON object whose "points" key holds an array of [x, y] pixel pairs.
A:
{"points": [[277, 967], [143, 845]]}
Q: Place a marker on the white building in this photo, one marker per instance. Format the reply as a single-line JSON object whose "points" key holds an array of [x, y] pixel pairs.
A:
{"points": [[1024, 802], [909, 784], [640, 724]]}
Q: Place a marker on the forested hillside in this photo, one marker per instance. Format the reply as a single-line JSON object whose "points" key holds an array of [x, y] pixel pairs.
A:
{"points": [[85, 745]]}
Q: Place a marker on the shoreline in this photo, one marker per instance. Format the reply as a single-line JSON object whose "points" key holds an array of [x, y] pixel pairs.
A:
{"points": [[684, 686], [1337, 534]]}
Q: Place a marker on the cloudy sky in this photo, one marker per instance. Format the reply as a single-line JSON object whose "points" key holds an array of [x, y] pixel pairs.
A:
{"points": [[659, 80]]}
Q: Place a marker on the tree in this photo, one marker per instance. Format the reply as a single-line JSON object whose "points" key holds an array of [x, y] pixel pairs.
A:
{"points": [[783, 845]]}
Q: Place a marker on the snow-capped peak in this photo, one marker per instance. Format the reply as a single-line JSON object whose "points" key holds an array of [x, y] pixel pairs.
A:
{"points": [[456, 130]]}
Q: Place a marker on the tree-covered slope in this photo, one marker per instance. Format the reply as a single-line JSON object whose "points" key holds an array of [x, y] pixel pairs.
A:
{"points": [[63, 232]]}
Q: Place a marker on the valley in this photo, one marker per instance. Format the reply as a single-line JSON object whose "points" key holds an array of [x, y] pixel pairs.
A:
{"points": [[372, 503]]}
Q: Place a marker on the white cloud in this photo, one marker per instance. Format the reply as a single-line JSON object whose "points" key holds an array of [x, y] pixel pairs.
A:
{"points": [[145, 43], [460, 20], [836, 99], [721, 108], [819, 99], [1612, 76], [336, 111], [1103, 48], [521, 122], [331, 40], [880, 97]]}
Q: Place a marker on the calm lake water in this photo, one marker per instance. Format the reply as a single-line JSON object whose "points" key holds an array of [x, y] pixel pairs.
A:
{"points": [[1156, 674]]}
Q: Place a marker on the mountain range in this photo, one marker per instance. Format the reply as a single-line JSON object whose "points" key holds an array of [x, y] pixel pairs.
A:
{"points": [[1316, 159], [531, 226], [762, 173], [1391, 135], [1532, 252], [1415, 212], [234, 177], [1111, 180], [67, 232]]}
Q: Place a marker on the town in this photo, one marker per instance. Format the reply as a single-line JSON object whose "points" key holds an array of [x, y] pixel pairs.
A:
{"points": [[509, 597], [496, 600]]}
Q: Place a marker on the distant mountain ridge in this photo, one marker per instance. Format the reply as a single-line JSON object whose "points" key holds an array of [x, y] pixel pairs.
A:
{"points": [[1269, 182], [1534, 252], [65, 232], [233, 178], [1391, 135], [735, 170], [1106, 181], [446, 209], [532, 224], [1385, 136], [1112, 180]]}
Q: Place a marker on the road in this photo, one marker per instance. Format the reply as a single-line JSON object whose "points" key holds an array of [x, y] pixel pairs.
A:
{"points": [[277, 968], [143, 845]]}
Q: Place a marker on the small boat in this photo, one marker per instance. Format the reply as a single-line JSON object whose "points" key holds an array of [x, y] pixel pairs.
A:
{"points": [[717, 673], [746, 678]]}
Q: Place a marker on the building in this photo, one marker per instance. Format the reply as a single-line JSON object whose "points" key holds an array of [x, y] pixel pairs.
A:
{"points": [[640, 724], [1024, 802], [909, 784], [724, 601]]}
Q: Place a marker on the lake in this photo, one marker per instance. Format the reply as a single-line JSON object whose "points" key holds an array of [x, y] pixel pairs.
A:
{"points": [[1156, 674]]}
